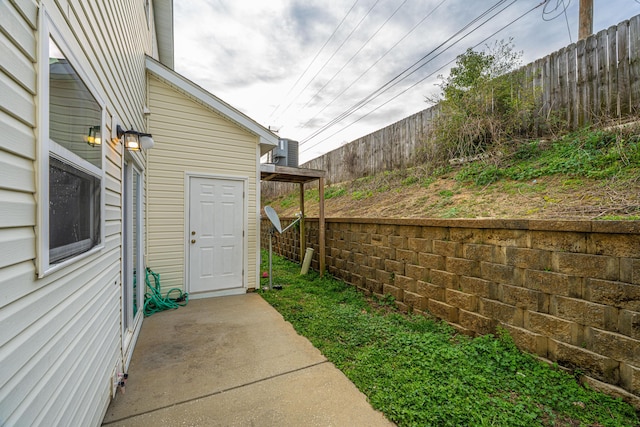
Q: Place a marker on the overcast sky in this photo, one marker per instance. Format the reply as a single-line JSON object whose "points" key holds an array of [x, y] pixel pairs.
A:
{"points": [[299, 65]]}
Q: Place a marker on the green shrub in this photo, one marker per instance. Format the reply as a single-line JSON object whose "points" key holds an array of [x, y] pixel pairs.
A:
{"points": [[485, 102], [334, 191]]}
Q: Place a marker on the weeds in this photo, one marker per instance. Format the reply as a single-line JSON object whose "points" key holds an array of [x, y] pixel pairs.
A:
{"points": [[451, 213], [410, 180], [588, 154], [592, 174], [359, 195], [334, 191], [418, 371]]}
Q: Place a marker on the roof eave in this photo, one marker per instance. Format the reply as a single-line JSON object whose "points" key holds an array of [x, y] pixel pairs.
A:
{"points": [[163, 21]]}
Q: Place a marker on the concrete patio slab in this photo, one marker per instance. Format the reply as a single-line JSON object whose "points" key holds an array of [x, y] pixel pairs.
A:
{"points": [[233, 361]]}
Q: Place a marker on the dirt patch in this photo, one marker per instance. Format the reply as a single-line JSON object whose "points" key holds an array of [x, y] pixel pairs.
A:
{"points": [[551, 197]]}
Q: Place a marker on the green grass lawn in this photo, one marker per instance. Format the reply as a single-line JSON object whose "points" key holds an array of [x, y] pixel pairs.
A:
{"points": [[419, 372]]}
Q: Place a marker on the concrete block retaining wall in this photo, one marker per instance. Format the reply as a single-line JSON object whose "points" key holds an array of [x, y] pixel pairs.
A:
{"points": [[567, 291]]}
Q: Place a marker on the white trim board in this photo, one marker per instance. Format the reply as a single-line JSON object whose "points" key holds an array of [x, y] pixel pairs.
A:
{"points": [[221, 293]]}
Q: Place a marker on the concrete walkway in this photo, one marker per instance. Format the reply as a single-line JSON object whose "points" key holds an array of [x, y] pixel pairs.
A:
{"points": [[233, 361]]}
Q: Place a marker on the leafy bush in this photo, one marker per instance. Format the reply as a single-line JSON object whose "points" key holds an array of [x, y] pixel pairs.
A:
{"points": [[484, 102]]}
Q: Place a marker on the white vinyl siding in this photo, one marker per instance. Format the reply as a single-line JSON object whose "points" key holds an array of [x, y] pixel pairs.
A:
{"points": [[60, 336], [191, 137], [17, 151]]}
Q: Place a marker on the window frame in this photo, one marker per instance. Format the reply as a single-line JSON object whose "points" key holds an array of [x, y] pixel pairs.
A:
{"points": [[131, 324], [147, 13], [49, 148]]}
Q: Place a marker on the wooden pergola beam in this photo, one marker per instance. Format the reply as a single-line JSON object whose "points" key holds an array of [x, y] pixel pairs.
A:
{"points": [[321, 226], [271, 172], [303, 243]]}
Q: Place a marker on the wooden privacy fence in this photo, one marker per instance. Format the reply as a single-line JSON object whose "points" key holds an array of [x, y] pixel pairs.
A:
{"points": [[592, 81]]}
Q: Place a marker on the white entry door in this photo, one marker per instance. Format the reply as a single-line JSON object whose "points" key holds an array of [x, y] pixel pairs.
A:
{"points": [[216, 234]]}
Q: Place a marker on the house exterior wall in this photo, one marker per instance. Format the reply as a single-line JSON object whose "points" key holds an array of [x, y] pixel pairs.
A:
{"points": [[60, 337], [190, 137]]}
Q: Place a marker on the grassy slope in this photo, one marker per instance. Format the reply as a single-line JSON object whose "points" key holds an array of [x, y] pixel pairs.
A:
{"points": [[417, 371], [585, 175]]}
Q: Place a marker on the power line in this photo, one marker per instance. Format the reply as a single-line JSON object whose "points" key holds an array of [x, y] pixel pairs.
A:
{"points": [[376, 62], [403, 75], [566, 18], [331, 57], [556, 11], [560, 8], [398, 78], [431, 74], [355, 54], [317, 54]]}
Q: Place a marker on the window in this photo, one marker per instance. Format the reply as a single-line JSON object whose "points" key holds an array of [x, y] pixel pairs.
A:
{"points": [[74, 211], [72, 172]]}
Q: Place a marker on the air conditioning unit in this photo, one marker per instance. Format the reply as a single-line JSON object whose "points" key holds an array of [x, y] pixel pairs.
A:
{"points": [[286, 154]]}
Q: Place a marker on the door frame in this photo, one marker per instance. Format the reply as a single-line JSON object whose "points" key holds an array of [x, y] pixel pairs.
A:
{"points": [[245, 239], [130, 335]]}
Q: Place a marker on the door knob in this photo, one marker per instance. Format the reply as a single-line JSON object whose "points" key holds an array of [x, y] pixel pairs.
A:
{"points": [[193, 240], [193, 233]]}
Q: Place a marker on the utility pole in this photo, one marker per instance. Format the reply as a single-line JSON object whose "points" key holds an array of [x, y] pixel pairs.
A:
{"points": [[586, 19]]}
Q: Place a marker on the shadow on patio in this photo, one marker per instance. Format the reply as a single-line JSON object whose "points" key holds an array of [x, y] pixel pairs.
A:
{"points": [[233, 361]]}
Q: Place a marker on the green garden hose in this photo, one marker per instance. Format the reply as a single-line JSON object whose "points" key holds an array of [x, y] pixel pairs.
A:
{"points": [[154, 302]]}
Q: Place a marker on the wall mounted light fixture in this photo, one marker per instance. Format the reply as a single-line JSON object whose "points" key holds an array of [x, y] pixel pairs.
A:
{"points": [[95, 136], [134, 140], [146, 141]]}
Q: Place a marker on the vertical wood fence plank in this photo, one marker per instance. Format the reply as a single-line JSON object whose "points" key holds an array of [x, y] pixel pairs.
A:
{"points": [[623, 68], [369, 148], [556, 95], [581, 82], [634, 64], [387, 149], [546, 86], [376, 152], [573, 86], [410, 135], [612, 32], [539, 91], [361, 157], [591, 76], [602, 107], [563, 86], [527, 90], [397, 148], [402, 137]]}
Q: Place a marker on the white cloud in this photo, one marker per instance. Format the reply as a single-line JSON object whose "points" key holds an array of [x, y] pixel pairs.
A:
{"points": [[251, 53]]}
